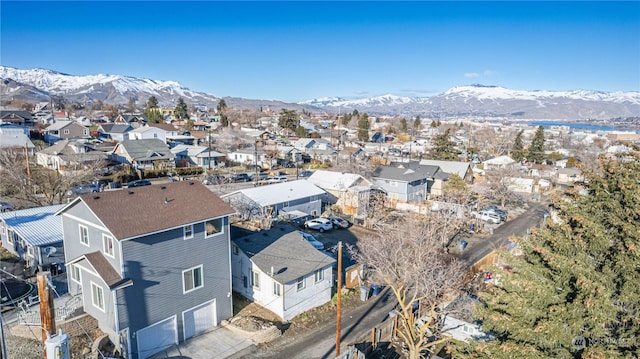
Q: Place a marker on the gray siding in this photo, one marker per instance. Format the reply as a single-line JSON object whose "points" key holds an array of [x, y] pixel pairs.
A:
{"points": [[155, 264], [106, 319]]}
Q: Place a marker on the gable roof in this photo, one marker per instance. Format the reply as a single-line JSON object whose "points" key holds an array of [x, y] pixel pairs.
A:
{"points": [[280, 192], [58, 125], [15, 139], [284, 249], [339, 181], [164, 126], [500, 160], [37, 226], [144, 149], [116, 127], [105, 270], [452, 167], [405, 171], [138, 211]]}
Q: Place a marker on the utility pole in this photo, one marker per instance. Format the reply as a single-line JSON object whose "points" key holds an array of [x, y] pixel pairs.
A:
{"points": [[47, 310], [3, 353], [338, 318], [26, 157]]}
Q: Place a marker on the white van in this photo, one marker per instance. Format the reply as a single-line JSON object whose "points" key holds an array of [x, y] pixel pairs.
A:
{"points": [[488, 217], [277, 179]]}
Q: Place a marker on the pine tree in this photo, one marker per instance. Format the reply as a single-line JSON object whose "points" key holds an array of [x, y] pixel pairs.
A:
{"points": [[301, 132], [577, 277], [221, 108], [517, 151], [288, 119], [363, 127], [152, 102], [536, 150], [443, 148], [181, 111], [403, 124]]}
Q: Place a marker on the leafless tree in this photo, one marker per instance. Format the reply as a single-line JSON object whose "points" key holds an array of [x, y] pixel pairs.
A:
{"points": [[246, 208], [499, 190], [409, 259]]}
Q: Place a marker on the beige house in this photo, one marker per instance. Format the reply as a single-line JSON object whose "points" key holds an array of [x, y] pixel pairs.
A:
{"points": [[350, 192]]}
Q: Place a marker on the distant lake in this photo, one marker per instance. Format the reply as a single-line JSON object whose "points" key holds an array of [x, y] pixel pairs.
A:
{"points": [[582, 126]]}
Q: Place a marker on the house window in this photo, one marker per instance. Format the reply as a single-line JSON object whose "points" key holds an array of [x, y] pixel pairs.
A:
{"points": [[107, 245], [244, 281], [276, 289], [75, 273], [234, 249], [97, 296], [66, 132], [155, 135], [4, 230], [393, 184], [255, 279], [10, 236], [319, 275], [84, 235], [213, 227], [468, 329], [30, 251], [192, 279], [300, 284], [85, 132], [188, 231]]}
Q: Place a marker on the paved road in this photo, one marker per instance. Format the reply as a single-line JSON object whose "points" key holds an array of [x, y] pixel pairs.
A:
{"points": [[478, 249]]}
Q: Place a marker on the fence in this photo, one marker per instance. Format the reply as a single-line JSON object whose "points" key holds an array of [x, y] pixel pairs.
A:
{"points": [[370, 342], [30, 314]]}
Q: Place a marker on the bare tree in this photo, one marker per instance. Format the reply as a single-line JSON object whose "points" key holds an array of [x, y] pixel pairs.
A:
{"points": [[499, 185], [410, 260]]}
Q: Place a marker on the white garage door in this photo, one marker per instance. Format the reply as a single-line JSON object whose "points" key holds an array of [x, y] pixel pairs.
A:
{"points": [[199, 319], [157, 337]]}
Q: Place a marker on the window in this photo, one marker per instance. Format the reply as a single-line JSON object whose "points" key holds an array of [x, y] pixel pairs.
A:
{"points": [[213, 226], [244, 281], [234, 249], [75, 273], [192, 279], [300, 283], [468, 329], [66, 132], [84, 235], [30, 251], [276, 289], [107, 245], [319, 275], [255, 279], [10, 236], [97, 296], [85, 132], [188, 231]]}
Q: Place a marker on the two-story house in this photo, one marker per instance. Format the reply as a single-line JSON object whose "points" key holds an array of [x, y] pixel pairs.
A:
{"points": [[148, 132], [190, 156], [348, 191], [69, 157], [65, 130], [408, 182], [114, 131], [151, 263], [281, 271]]}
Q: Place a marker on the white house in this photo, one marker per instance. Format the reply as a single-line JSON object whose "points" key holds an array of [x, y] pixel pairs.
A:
{"points": [[499, 162], [349, 191], [148, 132], [279, 270]]}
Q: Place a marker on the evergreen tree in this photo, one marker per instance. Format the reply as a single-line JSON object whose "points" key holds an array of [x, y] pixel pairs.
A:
{"points": [[288, 119], [517, 151], [131, 105], [301, 132], [403, 124], [152, 102], [152, 112], [433, 124], [363, 127], [443, 148], [346, 119], [181, 111], [536, 150], [579, 276], [417, 124], [221, 108]]}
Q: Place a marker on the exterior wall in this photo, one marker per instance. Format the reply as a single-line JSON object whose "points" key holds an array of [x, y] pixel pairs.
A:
{"points": [[395, 190], [150, 133], [462, 330], [156, 263], [313, 207], [313, 295], [106, 319], [242, 268]]}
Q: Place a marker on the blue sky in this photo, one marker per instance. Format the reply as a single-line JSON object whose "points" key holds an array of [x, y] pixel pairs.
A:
{"points": [[293, 51]]}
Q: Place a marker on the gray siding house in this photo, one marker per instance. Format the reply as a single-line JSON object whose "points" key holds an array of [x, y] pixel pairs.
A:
{"points": [[406, 182], [151, 263]]}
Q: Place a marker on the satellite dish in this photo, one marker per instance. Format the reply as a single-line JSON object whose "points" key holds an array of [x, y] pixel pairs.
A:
{"points": [[49, 251]]}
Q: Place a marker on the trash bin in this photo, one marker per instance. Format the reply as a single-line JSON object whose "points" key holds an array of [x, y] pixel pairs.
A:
{"points": [[364, 293], [375, 289], [463, 245]]}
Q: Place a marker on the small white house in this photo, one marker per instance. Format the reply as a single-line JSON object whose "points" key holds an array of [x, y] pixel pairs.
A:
{"points": [[281, 271], [148, 132]]}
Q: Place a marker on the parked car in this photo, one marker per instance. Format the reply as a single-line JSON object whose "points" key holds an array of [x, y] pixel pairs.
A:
{"points": [[83, 188], [305, 173], [277, 179], [258, 177], [501, 213], [6, 206], [319, 224], [240, 177], [215, 179], [487, 217], [139, 183], [338, 222], [311, 239]]}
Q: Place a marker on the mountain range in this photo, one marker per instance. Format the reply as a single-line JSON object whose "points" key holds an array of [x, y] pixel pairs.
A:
{"points": [[461, 101]]}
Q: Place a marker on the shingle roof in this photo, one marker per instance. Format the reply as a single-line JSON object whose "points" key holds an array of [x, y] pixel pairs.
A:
{"points": [[116, 127], [105, 270], [452, 167], [37, 226], [60, 124], [406, 172], [142, 149], [284, 249], [137, 211]]}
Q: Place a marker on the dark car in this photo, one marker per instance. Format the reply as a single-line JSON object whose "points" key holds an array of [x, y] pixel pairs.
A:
{"points": [[306, 173], [240, 177], [139, 183], [500, 212]]}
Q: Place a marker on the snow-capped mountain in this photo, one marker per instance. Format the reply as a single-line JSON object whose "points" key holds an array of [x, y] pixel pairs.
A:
{"points": [[106, 88], [479, 100]]}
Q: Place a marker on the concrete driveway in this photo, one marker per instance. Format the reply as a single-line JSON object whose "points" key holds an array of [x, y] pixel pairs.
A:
{"points": [[219, 343]]}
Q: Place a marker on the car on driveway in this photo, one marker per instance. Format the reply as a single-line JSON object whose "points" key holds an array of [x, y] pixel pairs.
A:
{"points": [[6, 206], [83, 188], [240, 177], [338, 222], [139, 183], [311, 239], [306, 173], [500, 212], [215, 179], [487, 217], [277, 179], [319, 224]]}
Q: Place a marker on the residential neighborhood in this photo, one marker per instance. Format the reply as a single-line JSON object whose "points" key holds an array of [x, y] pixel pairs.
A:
{"points": [[157, 231]]}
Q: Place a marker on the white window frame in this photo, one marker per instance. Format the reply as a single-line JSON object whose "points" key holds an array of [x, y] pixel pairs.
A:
{"points": [[187, 231], [95, 288], [108, 246], [10, 236], [30, 250], [300, 284], [66, 132], [319, 275], [277, 289], [83, 236], [4, 230], [75, 272], [193, 284], [220, 230], [255, 279]]}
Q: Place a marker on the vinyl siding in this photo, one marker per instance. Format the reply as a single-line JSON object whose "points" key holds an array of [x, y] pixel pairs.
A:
{"points": [[106, 319], [313, 295], [155, 264]]}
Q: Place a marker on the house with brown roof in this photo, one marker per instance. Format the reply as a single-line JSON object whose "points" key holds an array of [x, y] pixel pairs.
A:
{"points": [[151, 264], [65, 130]]}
